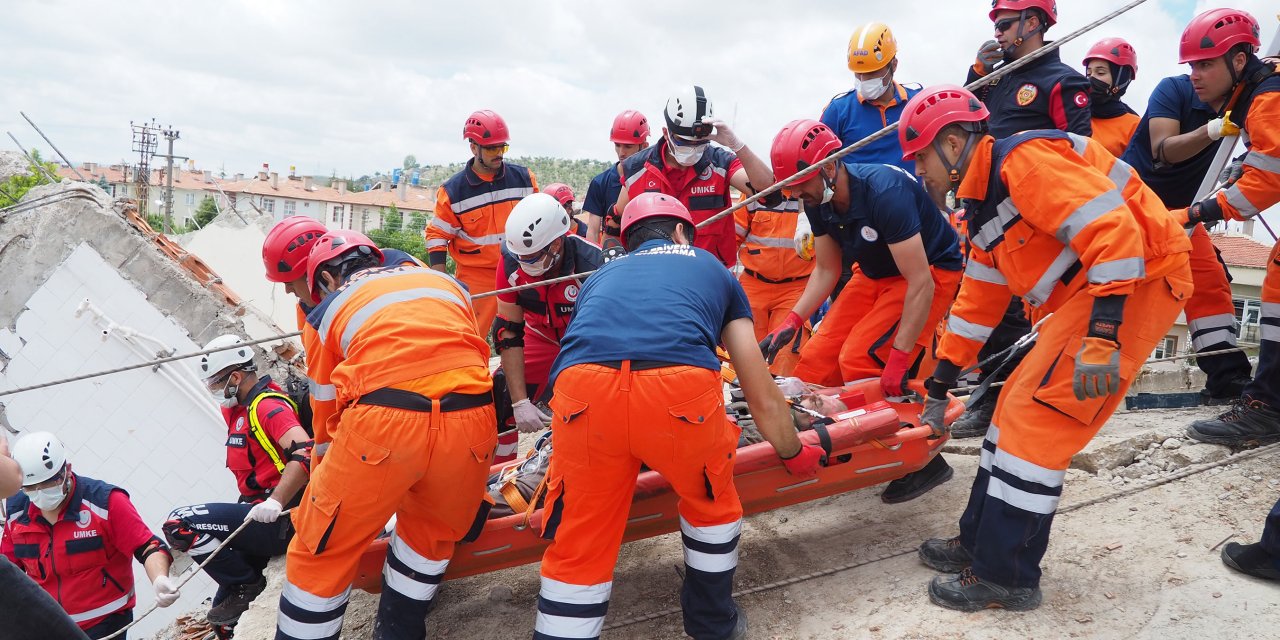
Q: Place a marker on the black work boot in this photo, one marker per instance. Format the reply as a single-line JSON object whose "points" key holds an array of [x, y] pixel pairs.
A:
{"points": [[967, 592], [1228, 392], [239, 597], [914, 485], [946, 556], [976, 419], [1251, 559], [740, 627], [1247, 423]]}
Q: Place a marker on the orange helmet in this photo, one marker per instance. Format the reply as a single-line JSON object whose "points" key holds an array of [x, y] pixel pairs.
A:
{"points": [[653, 204], [871, 48]]}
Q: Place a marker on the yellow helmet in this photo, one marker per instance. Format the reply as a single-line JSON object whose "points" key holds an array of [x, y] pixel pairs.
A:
{"points": [[871, 48]]}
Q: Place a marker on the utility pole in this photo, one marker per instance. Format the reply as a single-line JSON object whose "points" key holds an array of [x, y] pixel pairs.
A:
{"points": [[144, 144], [170, 134]]}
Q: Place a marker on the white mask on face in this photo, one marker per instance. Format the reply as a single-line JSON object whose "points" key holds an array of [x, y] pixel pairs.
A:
{"points": [[687, 156], [223, 399], [48, 498], [873, 88], [540, 267], [828, 192]]}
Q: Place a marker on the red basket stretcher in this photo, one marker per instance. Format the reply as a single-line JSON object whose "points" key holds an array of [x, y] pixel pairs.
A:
{"points": [[872, 443]]}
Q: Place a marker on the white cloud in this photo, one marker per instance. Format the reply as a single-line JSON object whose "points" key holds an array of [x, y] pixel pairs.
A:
{"points": [[354, 87]]}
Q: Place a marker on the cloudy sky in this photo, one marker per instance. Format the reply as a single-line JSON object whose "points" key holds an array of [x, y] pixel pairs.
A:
{"points": [[352, 87]]}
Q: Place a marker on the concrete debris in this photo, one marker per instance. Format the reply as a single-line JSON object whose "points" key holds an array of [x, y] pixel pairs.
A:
{"points": [[12, 163]]}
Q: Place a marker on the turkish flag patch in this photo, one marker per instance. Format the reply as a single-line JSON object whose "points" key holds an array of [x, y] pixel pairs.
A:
{"points": [[1081, 99]]}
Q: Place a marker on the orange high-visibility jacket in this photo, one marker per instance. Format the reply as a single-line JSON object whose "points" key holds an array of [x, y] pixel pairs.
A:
{"points": [[1259, 185], [1052, 213], [765, 238], [1115, 133], [390, 326], [471, 215]]}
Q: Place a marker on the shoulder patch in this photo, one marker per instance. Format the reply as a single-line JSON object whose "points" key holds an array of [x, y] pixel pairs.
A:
{"points": [[1027, 94], [1081, 99], [869, 234]]}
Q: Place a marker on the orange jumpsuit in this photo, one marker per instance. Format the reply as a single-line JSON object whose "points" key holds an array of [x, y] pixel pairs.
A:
{"points": [[773, 274], [1257, 189], [412, 435], [1115, 133], [469, 223], [1059, 222]]}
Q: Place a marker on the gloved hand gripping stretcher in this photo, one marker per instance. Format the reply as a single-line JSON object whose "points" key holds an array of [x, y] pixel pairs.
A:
{"points": [[868, 442]]}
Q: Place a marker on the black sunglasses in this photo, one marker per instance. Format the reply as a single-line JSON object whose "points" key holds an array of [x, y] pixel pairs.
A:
{"points": [[1003, 25]]}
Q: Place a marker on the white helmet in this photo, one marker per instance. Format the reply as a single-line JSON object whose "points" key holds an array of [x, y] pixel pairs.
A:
{"points": [[41, 456], [212, 364], [685, 112], [534, 223]]}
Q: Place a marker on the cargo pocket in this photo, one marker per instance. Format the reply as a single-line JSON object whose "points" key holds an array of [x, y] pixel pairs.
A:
{"points": [[698, 425], [570, 428], [86, 554], [718, 476], [369, 457], [1056, 389], [553, 508], [316, 518]]}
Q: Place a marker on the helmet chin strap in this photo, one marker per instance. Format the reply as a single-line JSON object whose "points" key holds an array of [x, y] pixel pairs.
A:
{"points": [[953, 170], [1022, 33]]}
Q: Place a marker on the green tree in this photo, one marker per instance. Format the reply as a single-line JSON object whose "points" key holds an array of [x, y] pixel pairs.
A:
{"points": [[410, 162], [392, 221], [13, 189], [206, 212]]}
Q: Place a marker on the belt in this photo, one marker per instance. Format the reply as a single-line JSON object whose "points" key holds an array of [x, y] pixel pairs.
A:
{"points": [[761, 278], [401, 399], [639, 365]]}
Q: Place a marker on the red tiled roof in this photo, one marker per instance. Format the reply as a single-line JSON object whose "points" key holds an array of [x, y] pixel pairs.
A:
{"points": [[1241, 251]]}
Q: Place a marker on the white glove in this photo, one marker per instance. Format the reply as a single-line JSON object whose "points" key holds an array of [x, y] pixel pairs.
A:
{"points": [[1214, 128], [528, 418], [166, 591], [266, 511], [803, 238], [724, 135]]}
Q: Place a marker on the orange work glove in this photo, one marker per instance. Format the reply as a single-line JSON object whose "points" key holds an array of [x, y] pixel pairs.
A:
{"points": [[1097, 371]]}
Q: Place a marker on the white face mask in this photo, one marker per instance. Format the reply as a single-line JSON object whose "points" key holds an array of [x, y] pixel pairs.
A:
{"points": [[48, 498], [828, 192], [540, 267], [223, 399], [873, 88], [687, 156]]}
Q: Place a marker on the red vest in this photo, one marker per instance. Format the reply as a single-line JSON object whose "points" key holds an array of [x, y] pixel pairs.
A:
{"points": [[74, 560], [256, 474], [705, 194]]}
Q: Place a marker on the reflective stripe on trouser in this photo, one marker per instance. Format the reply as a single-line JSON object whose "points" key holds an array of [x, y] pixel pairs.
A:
{"points": [[1211, 315], [1271, 534], [244, 558], [855, 337], [1039, 424], [770, 304], [606, 423], [480, 280], [1266, 381], [429, 469]]}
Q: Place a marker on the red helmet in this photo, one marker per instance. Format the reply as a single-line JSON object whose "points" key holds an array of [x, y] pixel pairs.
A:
{"points": [[485, 128], [1049, 7], [331, 246], [563, 193], [1214, 32], [931, 110], [1117, 51], [284, 252], [654, 204], [800, 144], [630, 127]]}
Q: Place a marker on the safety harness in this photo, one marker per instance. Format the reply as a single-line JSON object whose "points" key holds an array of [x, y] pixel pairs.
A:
{"points": [[259, 434]]}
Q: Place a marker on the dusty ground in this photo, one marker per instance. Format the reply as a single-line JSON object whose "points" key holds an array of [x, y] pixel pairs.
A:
{"points": [[1139, 566]]}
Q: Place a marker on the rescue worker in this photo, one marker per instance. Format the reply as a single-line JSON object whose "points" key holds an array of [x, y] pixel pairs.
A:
{"points": [[563, 194], [269, 453], [284, 255], [685, 166], [876, 102], [630, 135], [908, 261], [1220, 46], [74, 536], [1045, 94], [413, 435], [1172, 151], [472, 209], [773, 273], [1111, 64], [29, 612], [654, 398], [530, 324], [1057, 220]]}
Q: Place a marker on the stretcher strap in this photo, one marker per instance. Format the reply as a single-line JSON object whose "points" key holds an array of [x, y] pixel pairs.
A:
{"points": [[533, 500], [511, 493], [824, 436]]}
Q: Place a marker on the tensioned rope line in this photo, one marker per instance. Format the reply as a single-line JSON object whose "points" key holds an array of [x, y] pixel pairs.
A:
{"points": [[190, 573], [801, 175], [786, 582], [807, 171]]}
